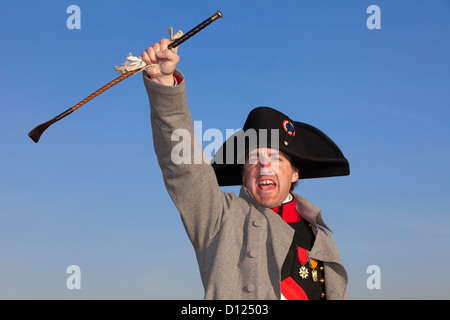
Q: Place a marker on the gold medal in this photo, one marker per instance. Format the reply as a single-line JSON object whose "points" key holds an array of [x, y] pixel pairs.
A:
{"points": [[313, 264], [314, 275]]}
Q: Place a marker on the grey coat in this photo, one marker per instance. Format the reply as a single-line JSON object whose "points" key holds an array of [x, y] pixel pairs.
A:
{"points": [[240, 246]]}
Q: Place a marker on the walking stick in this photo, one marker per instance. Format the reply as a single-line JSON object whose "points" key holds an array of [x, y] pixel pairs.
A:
{"points": [[36, 133]]}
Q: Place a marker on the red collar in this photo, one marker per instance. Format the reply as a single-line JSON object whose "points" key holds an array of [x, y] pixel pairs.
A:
{"points": [[288, 211]]}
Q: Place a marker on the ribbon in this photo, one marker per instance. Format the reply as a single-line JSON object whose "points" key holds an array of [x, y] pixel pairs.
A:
{"points": [[303, 255], [312, 262]]}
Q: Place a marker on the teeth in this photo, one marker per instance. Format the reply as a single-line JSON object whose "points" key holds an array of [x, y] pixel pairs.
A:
{"points": [[266, 182]]}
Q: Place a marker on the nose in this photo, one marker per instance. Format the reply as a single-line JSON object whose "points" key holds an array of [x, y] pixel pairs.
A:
{"points": [[265, 162], [265, 159], [266, 171], [267, 166]]}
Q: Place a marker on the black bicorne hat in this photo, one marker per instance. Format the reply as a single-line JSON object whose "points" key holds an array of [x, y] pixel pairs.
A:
{"points": [[313, 152]]}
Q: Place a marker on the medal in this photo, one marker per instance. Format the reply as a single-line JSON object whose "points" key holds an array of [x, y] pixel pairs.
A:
{"points": [[303, 272], [303, 259], [313, 264], [314, 275]]}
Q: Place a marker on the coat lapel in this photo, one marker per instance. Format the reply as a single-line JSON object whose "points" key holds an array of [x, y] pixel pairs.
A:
{"points": [[324, 248], [279, 231]]}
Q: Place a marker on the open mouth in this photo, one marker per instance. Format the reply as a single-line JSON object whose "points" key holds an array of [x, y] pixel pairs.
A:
{"points": [[266, 184]]}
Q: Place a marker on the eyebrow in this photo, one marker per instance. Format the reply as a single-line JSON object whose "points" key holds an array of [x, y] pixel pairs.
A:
{"points": [[273, 152]]}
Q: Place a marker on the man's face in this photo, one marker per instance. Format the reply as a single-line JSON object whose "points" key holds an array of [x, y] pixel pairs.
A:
{"points": [[268, 175]]}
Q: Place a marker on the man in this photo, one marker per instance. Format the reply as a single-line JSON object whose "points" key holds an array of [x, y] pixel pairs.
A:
{"points": [[268, 243]]}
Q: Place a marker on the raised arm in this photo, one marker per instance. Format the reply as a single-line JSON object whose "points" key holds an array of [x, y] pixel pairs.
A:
{"points": [[192, 187]]}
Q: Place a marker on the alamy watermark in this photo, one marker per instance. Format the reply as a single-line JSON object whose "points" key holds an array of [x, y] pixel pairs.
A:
{"points": [[374, 21], [237, 145], [74, 280], [187, 151], [74, 20], [374, 280]]}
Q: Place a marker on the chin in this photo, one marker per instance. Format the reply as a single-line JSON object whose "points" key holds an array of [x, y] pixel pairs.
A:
{"points": [[269, 203]]}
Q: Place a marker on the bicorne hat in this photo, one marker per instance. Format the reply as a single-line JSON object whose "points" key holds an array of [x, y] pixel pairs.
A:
{"points": [[313, 153]]}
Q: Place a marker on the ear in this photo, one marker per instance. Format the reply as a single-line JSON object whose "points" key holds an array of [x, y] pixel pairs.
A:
{"points": [[243, 174], [295, 175]]}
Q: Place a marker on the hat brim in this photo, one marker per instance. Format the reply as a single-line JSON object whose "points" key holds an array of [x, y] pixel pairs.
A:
{"points": [[315, 156]]}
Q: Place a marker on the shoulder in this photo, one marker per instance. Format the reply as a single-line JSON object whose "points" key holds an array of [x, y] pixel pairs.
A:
{"points": [[310, 212]]}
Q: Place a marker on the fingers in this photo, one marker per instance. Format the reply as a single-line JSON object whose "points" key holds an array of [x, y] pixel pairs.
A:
{"points": [[164, 43], [145, 56], [167, 55], [149, 55], [158, 52], [164, 59]]}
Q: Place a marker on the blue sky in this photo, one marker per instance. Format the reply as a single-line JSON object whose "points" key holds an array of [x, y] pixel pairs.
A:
{"points": [[90, 193]]}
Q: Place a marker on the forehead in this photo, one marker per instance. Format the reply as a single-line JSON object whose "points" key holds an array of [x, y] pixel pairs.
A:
{"points": [[267, 152]]}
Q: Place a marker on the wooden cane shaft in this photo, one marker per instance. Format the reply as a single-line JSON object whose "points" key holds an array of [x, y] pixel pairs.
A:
{"points": [[129, 73], [195, 30], [104, 88]]}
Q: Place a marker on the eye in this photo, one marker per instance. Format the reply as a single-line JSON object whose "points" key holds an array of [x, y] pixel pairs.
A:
{"points": [[275, 158], [253, 159]]}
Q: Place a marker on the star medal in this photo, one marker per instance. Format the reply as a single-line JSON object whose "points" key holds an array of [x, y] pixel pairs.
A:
{"points": [[313, 264], [303, 272], [303, 259]]}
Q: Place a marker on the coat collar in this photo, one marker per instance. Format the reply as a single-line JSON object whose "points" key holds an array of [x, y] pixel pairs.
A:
{"points": [[306, 209]]}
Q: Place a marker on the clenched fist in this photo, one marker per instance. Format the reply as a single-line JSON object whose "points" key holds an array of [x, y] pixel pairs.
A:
{"points": [[167, 60]]}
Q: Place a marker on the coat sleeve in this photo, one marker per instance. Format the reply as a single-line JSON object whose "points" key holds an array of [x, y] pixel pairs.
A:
{"points": [[190, 182]]}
